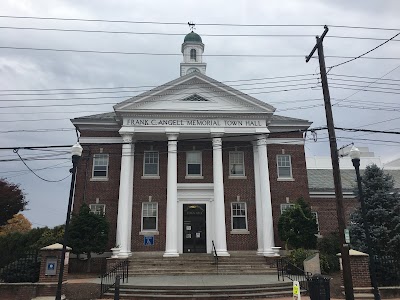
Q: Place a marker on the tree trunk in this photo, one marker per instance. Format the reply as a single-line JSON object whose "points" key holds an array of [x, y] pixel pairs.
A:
{"points": [[89, 262]]}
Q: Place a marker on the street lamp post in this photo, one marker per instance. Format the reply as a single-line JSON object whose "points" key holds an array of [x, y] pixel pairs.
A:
{"points": [[355, 158], [76, 155]]}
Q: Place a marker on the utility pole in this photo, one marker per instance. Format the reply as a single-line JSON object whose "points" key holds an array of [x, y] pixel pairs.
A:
{"points": [[344, 248]]}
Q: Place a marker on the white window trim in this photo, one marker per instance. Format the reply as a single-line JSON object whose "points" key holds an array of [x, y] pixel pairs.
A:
{"points": [[239, 231], [100, 178], [95, 211], [194, 176], [315, 214], [290, 178], [285, 206], [148, 231], [151, 176], [237, 176]]}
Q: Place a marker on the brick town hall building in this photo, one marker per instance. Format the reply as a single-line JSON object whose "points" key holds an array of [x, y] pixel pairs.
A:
{"points": [[189, 163]]}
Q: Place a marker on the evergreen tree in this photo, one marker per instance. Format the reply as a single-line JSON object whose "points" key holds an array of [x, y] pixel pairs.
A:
{"points": [[298, 227], [88, 233], [382, 204]]}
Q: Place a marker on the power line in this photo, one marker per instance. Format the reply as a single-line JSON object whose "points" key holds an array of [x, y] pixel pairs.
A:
{"points": [[144, 91], [197, 23], [126, 97], [365, 77], [150, 141], [112, 90], [44, 179], [365, 53], [159, 54], [176, 54], [359, 90], [184, 33], [363, 90], [150, 86]]}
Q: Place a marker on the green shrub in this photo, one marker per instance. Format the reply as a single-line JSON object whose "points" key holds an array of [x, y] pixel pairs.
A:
{"points": [[328, 247], [298, 256], [21, 270]]}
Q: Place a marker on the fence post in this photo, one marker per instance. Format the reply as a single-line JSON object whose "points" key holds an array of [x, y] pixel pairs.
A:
{"points": [[116, 291]]}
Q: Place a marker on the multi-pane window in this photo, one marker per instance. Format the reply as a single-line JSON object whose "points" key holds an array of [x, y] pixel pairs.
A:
{"points": [[236, 163], [149, 216], [98, 209], [239, 216], [315, 216], [150, 163], [100, 165], [193, 163], [284, 166], [286, 206], [193, 54]]}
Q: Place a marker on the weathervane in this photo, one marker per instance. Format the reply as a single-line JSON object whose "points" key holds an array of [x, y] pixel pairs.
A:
{"points": [[192, 26]]}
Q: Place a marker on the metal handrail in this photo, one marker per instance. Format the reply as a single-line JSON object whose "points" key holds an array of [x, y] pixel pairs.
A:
{"points": [[215, 255], [108, 279], [287, 269]]}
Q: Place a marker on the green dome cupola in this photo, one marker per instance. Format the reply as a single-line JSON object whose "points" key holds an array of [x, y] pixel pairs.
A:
{"points": [[192, 37], [192, 50]]}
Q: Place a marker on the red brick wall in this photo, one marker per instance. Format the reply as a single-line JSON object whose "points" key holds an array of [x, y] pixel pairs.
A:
{"points": [[282, 189], [142, 189], [107, 191], [245, 189], [327, 216]]}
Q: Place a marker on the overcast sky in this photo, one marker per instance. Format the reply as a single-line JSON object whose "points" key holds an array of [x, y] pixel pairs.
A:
{"points": [[35, 70]]}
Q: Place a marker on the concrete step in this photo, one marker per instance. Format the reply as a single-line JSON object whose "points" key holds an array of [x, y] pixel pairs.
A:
{"points": [[237, 263], [214, 292]]}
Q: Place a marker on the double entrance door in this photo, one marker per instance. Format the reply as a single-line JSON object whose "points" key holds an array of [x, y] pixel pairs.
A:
{"points": [[194, 228]]}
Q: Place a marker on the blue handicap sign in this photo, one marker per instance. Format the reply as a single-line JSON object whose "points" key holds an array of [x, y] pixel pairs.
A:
{"points": [[50, 266], [149, 240]]}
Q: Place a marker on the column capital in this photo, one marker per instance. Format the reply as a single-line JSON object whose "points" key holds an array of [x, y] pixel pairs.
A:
{"points": [[127, 137], [217, 141], [261, 140], [172, 136]]}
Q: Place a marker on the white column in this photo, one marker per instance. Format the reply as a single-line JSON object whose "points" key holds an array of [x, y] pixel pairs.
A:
{"points": [[219, 201], [124, 220], [259, 212], [171, 239], [265, 195]]}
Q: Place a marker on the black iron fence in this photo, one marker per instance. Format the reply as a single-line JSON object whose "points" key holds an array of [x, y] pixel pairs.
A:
{"points": [[387, 270], [287, 269], [25, 267], [108, 279]]}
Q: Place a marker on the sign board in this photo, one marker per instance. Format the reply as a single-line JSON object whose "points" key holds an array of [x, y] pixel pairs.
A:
{"points": [[149, 122], [149, 240], [347, 236], [51, 266], [66, 260], [296, 290]]}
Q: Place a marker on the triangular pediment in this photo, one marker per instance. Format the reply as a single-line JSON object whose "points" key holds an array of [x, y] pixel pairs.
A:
{"points": [[194, 92]]}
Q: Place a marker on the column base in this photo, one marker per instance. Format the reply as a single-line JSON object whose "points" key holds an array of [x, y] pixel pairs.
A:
{"points": [[269, 252], [260, 252], [124, 254], [223, 253], [171, 254]]}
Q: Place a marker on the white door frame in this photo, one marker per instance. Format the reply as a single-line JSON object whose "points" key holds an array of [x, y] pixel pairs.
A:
{"points": [[196, 193]]}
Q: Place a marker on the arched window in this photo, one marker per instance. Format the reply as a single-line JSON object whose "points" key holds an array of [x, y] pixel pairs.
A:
{"points": [[193, 54]]}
